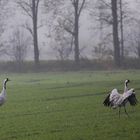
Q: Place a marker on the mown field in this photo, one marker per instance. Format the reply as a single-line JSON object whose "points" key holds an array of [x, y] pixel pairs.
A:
{"points": [[67, 106]]}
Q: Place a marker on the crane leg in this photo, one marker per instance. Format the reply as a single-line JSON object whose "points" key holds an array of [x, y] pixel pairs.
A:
{"points": [[119, 111], [126, 111]]}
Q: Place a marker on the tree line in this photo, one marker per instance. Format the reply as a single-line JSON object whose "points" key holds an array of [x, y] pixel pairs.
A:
{"points": [[111, 18]]}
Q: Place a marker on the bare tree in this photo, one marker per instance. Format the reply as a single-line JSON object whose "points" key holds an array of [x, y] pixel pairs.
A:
{"points": [[108, 16], [103, 18], [19, 43], [3, 18], [115, 32], [70, 20], [134, 41], [31, 7], [78, 7], [135, 35], [121, 30], [62, 42], [102, 52]]}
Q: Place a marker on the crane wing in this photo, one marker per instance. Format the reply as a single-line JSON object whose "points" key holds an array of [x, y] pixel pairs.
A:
{"points": [[114, 96], [132, 99], [111, 98], [107, 101]]}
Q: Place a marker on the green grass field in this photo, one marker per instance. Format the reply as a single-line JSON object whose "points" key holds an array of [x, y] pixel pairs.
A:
{"points": [[67, 106]]}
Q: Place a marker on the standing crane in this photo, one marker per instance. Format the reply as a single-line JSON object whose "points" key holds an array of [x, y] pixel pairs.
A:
{"points": [[115, 99], [3, 92]]}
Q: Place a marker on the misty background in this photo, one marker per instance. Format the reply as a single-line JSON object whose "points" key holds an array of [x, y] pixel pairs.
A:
{"points": [[44, 30]]}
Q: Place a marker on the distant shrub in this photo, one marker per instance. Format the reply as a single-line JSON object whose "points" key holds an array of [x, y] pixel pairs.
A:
{"points": [[68, 65]]}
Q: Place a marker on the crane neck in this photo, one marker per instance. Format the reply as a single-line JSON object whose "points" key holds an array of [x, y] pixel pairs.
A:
{"points": [[126, 87], [4, 85], [3, 92]]}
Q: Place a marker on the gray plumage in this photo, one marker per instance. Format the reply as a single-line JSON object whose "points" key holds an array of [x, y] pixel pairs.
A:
{"points": [[3, 92], [115, 99]]}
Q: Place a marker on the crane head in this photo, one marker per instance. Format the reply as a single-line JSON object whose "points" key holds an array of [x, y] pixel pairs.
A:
{"points": [[127, 81], [6, 80]]}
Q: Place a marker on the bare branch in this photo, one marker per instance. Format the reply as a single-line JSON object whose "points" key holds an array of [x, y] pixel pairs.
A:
{"points": [[26, 26], [82, 5], [26, 7], [106, 4], [65, 26], [68, 30], [73, 2], [36, 8]]}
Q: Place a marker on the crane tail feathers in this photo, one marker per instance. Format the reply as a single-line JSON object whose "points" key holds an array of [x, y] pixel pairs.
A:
{"points": [[132, 100], [107, 101]]}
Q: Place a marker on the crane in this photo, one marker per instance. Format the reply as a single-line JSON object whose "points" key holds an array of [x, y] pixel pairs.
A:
{"points": [[115, 99], [3, 92]]}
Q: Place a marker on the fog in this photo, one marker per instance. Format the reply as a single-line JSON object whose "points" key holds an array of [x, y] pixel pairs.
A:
{"points": [[88, 35]]}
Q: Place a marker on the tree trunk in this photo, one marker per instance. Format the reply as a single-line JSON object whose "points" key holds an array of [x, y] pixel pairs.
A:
{"points": [[138, 50], [76, 35], [35, 34], [115, 33], [121, 27]]}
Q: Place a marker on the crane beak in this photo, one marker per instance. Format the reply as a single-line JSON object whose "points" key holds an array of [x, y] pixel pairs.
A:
{"points": [[8, 79]]}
